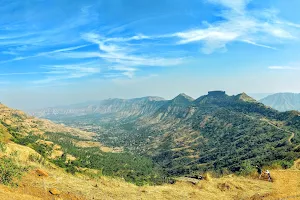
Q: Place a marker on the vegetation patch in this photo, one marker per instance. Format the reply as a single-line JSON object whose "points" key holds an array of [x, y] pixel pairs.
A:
{"points": [[10, 171]]}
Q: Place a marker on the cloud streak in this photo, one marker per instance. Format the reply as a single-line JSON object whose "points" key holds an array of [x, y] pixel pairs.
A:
{"points": [[259, 28], [119, 54], [44, 53], [68, 71], [283, 68], [134, 53]]}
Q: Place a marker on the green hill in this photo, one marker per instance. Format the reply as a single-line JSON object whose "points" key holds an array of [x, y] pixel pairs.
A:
{"points": [[215, 132]]}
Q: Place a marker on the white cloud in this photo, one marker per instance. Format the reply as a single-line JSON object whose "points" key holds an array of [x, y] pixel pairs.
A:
{"points": [[44, 53], [136, 37], [123, 68], [119, 53], [259, 45], [256, 27], [283, 68], [126, 71], [71, 71], [19, 73], [61, 72], [288, 23]]}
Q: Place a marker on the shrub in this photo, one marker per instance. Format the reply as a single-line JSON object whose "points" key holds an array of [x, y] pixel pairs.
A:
{"points": [[9, 171], [247, 169], [2, 147], [281, 164], [36, 158]]}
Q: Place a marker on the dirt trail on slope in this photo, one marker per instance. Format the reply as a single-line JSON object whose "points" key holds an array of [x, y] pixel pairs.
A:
{"points": [[287, 131]]}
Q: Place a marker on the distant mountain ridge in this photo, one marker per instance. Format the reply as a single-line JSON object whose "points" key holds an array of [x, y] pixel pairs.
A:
{"points": [[283, 101], [213, 132], [121, 107]]}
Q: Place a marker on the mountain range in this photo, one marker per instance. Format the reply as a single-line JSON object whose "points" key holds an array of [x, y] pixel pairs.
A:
{"points": [[283, 101], [121, 107], [146, 141], [213, 132]]}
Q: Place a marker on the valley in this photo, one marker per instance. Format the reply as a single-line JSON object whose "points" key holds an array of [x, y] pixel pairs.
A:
{"points": [[216, 132], [149, 147], [149, 100]]}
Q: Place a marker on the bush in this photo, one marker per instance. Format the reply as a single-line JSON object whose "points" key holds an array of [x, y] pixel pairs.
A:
{"points": [[281, 164], [247, 169], [9, 171], [36, 158], [2, 147]]}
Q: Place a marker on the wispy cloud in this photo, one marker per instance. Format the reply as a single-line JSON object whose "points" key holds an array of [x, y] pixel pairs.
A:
{"points": [[129, 53], [283, 68], [126, 71], [44, 53], [53, 73], [71, 71], [19, 73], [259, 45], [260, 28], [118, 53]]}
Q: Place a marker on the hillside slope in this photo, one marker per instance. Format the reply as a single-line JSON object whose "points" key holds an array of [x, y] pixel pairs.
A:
{"points": [[220, 133], [17, 122], [74, 150], [81, 187], [215, 132], [41, 177]]}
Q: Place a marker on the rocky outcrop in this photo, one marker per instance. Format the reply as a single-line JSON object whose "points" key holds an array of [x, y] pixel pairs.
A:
{"points": [[42, 173], [54, 191]]}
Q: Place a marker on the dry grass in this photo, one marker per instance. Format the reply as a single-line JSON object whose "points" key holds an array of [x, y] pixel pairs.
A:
{"points": [[27, 124], [21, 153], [103, 148], [286, 183], [108, 188], [11, 194]]}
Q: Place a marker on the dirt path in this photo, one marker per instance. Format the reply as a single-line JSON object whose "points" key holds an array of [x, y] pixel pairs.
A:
{"points": [[287, 131], [291, 137]]}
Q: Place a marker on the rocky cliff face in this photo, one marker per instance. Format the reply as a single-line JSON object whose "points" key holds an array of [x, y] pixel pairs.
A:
{"points": [[119, 107], [175, 108]]}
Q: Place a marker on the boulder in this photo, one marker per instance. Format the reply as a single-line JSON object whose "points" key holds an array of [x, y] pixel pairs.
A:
{"points": [[41, 172], [54, 191]]}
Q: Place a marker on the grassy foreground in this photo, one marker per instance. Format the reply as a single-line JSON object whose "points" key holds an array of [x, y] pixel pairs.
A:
{"points": [[31, 186]]}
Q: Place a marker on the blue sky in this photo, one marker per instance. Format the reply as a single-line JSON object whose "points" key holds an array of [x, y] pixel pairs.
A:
{"points": [[64, 51]]}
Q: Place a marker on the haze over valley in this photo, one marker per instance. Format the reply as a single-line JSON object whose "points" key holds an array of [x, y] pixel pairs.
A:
{"points": [[138, 99]]}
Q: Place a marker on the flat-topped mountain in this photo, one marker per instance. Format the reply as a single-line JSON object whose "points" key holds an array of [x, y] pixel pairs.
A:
{"points": [[213, 132], [283, 101]]}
